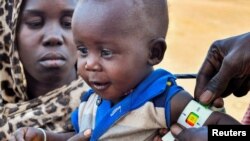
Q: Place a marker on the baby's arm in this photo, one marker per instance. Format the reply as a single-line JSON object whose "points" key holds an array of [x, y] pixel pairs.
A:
{"points": [[83, 136], [182, 98], [51, 136], [219, 118], [35, 134]]}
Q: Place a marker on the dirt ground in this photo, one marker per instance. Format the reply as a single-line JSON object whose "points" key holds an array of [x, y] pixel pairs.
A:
{"points": [[194, 25]]}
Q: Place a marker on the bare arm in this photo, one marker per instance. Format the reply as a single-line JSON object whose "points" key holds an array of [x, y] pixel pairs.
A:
{"points": [[179, 102], [51, 136], [34, 134]]}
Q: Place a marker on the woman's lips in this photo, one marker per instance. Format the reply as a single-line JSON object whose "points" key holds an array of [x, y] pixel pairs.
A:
{"points": [[56, 63], [52, 60]]}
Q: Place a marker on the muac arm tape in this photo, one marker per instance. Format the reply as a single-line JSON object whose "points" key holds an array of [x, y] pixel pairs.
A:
{"points": [[194, 115]]}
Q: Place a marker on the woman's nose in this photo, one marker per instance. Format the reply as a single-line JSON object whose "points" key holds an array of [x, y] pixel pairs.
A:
{"points": [[53, 37]]}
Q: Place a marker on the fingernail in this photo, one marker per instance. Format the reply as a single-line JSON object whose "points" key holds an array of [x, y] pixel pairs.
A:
{"points": [[176, 130], [164, 130], [87, 133], [206, 97]]}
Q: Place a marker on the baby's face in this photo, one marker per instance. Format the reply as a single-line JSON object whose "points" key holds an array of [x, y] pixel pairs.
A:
{"points": [[111, 58]]}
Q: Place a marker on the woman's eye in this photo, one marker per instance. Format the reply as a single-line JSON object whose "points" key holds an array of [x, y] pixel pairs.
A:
{"points": [[34, 23], [106, 53], [83, 51], [66, 22]]}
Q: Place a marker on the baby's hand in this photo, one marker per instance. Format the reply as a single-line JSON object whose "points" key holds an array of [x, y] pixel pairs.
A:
{"points": [[27, 134]]}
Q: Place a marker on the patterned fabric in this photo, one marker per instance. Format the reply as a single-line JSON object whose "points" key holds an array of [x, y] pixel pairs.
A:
{"points": [[246, 118], [137, 117], [50, 111]]}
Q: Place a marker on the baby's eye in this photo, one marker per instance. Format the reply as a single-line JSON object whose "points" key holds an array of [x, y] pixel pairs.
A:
{"points": [[35, 23], [83, 51], [66, 22], [106, 53]]}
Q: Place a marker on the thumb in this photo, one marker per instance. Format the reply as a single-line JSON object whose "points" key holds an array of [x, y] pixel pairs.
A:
{"points": [[216, 86], [189, 134], [83, 136], [87, 133], [176, 130], [179, 133]]}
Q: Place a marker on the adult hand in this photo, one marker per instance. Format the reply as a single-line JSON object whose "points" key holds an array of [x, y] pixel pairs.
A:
{"points": [[189, 134], [225, 70], [27, 134], [84, 136]]}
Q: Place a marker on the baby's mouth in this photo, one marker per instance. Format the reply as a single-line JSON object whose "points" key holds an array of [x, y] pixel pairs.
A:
{"points": [[100, 86]]}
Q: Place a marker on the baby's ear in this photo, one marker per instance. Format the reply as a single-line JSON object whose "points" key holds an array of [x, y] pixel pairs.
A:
{"points": [[157, 48]]}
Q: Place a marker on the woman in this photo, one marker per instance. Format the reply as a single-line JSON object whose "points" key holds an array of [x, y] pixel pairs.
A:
{"points": [[39, 84]]}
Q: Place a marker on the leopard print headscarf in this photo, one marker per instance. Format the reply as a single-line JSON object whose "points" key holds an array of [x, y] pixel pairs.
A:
{"points": [[50, 111]]}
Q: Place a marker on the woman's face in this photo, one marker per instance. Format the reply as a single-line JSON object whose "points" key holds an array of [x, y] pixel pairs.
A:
{"points": [[45, 40]]}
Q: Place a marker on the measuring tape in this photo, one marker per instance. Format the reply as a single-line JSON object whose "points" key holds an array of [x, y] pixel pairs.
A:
{"points": [[194, 115]]}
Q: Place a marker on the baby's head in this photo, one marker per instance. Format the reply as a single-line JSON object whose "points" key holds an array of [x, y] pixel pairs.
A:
{"points": [[119, 42]]}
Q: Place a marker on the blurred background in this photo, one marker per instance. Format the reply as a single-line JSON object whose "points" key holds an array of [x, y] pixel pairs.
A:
{"points": [[194, 25]]}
